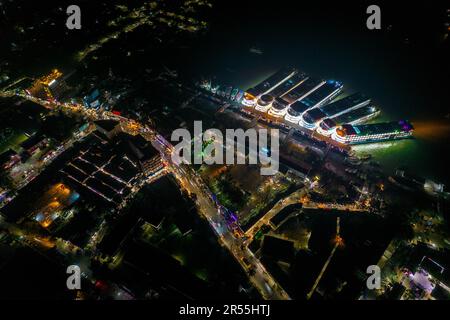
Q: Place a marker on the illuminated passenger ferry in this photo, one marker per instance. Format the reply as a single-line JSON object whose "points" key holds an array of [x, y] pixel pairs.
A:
{"points": [[279, 107], [328, 125], [311, 119], [249, 100], [376, 132], [295, 111], [323, 94], [264, 103], [288, 85], [251, 95], [303, 90], [320, 95]]}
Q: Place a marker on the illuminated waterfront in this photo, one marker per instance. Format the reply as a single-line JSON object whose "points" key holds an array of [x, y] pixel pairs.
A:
{"points": [[400, 84], [146, 227]]}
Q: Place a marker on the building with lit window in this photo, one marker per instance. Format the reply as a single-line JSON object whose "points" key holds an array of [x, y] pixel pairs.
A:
{"points": [[9, 159], [51, 86], [109, 128], [142, 151]]}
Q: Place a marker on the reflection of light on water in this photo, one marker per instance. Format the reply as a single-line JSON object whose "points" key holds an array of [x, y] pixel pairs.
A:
{"points": [[431, 129], [387, 151], [260, 78], [373, 146]]}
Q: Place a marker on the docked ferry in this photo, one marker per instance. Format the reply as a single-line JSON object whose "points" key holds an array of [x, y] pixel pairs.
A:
{"points": [[375, 132], [311, 119], [327, 126]]}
